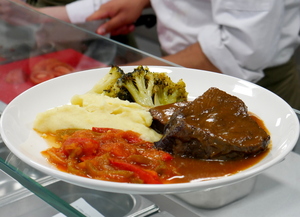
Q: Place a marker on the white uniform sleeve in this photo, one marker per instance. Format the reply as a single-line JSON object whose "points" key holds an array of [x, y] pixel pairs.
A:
{"points": [[78, 11], [244, 36]]}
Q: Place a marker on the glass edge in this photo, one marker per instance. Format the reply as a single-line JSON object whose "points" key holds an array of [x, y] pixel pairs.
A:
{"points": [[40, 191]]}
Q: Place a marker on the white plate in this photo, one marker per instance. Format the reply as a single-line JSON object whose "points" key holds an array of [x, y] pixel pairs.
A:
{"points": [[18, 117]]}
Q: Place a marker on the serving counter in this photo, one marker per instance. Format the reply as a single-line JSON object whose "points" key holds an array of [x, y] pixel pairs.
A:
{"points": [[27, 37]]}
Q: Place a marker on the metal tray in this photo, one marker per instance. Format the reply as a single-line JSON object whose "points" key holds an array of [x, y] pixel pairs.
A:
{"points": [[24, 203], [218, 197]]}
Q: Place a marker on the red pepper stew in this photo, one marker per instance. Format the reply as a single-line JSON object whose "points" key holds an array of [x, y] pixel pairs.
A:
{"points": [[110, 154], [122, 156]]}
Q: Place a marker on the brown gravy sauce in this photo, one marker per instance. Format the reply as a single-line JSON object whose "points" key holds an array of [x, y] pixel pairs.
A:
{"points": [[202, 170]]}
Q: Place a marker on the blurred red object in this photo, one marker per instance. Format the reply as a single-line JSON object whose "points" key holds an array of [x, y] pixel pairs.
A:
{"points": [[15, 77]]}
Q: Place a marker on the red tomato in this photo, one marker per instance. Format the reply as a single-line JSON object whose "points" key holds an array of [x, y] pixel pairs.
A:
{"points": [[37, 77]]}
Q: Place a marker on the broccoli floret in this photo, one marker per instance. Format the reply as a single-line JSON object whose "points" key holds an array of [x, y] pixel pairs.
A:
{"points": [[152, 89], [166, 91], [140, 84], [108, 84]]}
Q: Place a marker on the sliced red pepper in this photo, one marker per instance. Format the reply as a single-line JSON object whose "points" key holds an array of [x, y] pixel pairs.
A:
{"points": [[147, 176], [132, 137], [88, 145], [166, 156]]}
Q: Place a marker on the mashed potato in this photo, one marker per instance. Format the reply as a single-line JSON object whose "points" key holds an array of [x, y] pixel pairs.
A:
{"points": [[96, 110]]}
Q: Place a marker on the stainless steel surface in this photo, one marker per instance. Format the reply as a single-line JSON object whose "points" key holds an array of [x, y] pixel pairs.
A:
{"points": [[218, 197], [39, 190], [276, 193], [108, 204], [163, 214], [2, 107], [167, 204], [297, 146]]}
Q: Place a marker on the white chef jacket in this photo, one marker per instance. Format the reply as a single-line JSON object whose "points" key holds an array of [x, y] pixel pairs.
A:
{"points": [[240, 37], [78, 11]]}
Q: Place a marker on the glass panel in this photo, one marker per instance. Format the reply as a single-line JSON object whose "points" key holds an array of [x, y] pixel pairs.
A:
{"points": [[37, 189], [26, 38], [26, 33]]}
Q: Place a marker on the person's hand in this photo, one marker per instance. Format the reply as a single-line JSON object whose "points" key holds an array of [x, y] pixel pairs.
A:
{"points": [[122, 15]]}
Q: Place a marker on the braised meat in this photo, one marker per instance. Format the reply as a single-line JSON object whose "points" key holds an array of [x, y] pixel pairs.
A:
{"points": [[162, 114], [215, 125]]}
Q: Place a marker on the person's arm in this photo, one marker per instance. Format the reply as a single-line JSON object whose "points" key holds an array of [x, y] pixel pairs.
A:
{"points": [[75, 12], [121, 14], [58, 12], [191, 57]]}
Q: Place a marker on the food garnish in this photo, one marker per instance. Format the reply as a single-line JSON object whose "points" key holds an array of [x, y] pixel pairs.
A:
{"points": [[142, 86]]}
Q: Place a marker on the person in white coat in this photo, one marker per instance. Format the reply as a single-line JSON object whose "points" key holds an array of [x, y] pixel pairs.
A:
{"points": [[252, 40]]}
